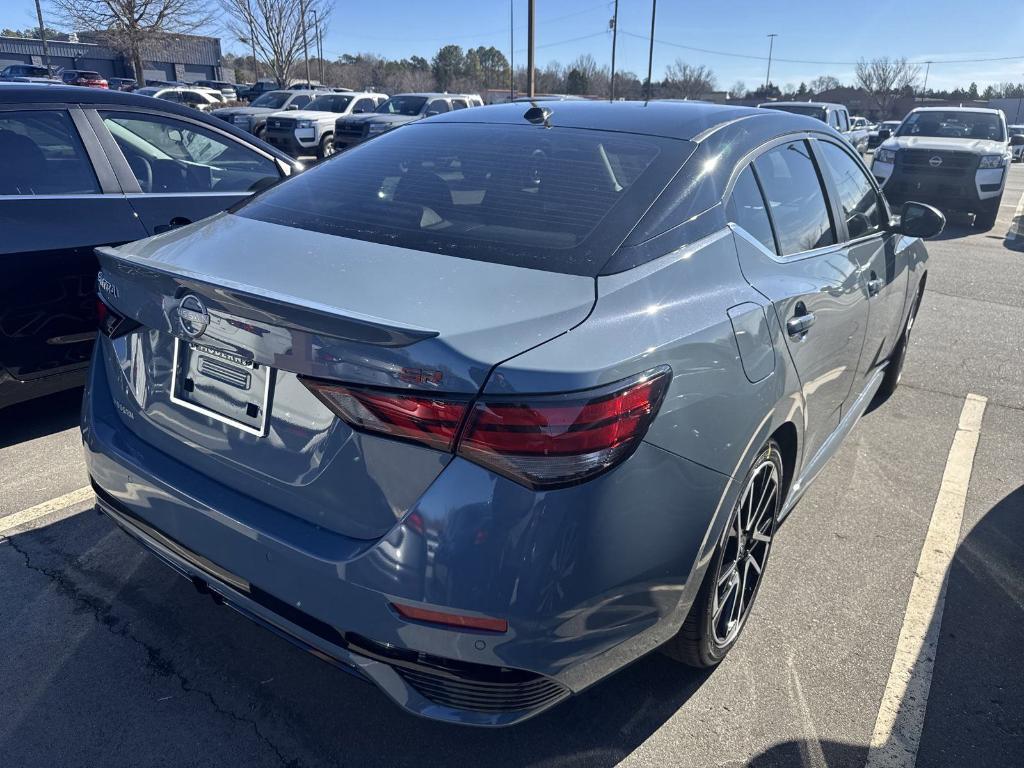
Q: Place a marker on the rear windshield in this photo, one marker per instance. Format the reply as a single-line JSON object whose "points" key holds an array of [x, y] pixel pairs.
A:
{"points": [[555, 199], [798, 109], [953, 125]]}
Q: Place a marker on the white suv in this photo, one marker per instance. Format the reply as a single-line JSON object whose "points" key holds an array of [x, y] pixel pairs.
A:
{"points": [[310, 131], [955, 158]]}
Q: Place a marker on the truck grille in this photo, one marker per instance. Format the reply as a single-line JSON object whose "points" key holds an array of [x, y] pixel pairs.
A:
{"points": [[281, 123], [348, 129], [925, 160]]}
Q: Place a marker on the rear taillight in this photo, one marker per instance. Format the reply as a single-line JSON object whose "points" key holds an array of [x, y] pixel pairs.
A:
{"points": [[111, 322], [541, 441]]}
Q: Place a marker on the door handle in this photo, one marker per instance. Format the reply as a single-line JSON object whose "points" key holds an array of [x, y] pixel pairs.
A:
{"points": [[798, 325], [875, 286], [177, 221]]}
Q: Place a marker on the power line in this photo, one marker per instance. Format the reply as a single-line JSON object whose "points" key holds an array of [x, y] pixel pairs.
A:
{"points": [[753, 57]]}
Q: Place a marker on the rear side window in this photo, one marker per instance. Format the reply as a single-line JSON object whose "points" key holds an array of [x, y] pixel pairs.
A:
{"points": [[796, 199], [42, 154], [862, 207], [556, 199], [746, 209]]}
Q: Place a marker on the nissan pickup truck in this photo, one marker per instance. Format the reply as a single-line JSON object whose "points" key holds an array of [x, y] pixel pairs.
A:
{"points": [[955, 158], [310, 131]]}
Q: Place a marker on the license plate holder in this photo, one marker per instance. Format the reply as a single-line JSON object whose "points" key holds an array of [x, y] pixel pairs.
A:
{"points": [[223, 385]]}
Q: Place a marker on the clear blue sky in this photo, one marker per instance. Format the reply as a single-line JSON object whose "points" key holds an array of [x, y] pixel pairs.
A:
{"points": [[825, 30]]}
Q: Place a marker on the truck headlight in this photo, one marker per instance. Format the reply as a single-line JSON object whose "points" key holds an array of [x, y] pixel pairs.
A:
{"points": [[992, 161], [885, 156], [304, 124]]}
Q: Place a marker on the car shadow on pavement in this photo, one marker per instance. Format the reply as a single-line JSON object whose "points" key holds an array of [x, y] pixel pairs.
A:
{"points": [[165, 654], [40, 417]]}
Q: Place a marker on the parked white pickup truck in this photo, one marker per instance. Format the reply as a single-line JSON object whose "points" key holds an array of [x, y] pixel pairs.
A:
{"points": [[310, 131]]}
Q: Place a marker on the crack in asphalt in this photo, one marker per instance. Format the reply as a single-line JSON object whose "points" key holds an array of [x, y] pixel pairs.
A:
{"points": [[155, 659]]}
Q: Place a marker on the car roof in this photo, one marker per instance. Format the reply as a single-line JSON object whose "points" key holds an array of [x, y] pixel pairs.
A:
{"points": [[801, 104], [686, 120], [982, 110]]}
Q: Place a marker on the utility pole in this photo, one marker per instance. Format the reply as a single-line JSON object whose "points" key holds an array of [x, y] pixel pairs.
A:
{"points": [[650, 52], [252, 41], [768, 74], [531, 75], [42, 36], [924, 88], [305, 38], [615, 33], [319, 45], [511, 50]]}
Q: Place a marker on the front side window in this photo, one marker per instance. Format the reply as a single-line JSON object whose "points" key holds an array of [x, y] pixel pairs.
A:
{"points": [[559, 200], [795, 197], [437, 107], [862, 207], [168, 155], [363, 106], [300, 102], [403, 105], [745, 208], [459, 104], [42, 154], [336, 104], [272, 100]]}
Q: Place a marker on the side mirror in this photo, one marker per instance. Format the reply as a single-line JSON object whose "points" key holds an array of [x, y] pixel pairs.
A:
{"points": [[432, 112], [920, 220], [291, 106], [884, 133], [1017, 140]]}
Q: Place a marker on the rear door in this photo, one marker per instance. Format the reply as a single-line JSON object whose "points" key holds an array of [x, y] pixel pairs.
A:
{"points": [[58, 200], [177, 171], [810, 278], [863, 217]]}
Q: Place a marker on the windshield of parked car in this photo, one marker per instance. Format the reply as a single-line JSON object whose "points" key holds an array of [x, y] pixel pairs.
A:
{"points": [[1016, 129], [30, 71], [560, 200], [799, 109], [329, 104], [953, 125], [402, 105], [272, 100], [891, 125], [147, 91]]}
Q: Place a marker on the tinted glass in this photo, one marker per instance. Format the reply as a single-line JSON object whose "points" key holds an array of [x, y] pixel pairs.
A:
{"points": [[168, 155], [550, 199], [272, 100], [861, 205], [459, 104], [41, 154], [362, 106], [403, 105], [790, 182], [438, 107], [798, 109], [746, 209], [953, 124], [329, 103]]}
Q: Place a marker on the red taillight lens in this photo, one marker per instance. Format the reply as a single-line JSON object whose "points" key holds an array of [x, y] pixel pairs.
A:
{"points": [[460, 620], [410, 416], [541, 441], [556, 440]]}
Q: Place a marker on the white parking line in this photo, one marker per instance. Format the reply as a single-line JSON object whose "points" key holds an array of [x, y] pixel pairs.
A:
{"points": [[19, 519], [897, 733], [1018, 221]]}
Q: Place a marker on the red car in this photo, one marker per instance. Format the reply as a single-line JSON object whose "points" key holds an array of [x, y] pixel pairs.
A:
{"points": [[83, 77]]}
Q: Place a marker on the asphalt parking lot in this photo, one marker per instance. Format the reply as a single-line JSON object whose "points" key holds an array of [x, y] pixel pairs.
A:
{"points": [[108, 658]]}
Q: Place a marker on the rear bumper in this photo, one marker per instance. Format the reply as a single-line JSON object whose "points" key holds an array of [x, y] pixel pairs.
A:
{"points": [[589, 578]]}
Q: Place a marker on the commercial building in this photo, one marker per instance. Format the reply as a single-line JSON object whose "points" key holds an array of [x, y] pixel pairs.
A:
{"points": [[172, 57]]}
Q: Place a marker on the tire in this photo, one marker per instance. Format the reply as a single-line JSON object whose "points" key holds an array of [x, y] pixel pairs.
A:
{"points": [[326, 148], [985, 216], [718, 615], [894, 371]]}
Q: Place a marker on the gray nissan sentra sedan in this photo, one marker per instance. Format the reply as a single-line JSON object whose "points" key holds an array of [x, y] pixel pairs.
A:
{"points": [[488, 407]]}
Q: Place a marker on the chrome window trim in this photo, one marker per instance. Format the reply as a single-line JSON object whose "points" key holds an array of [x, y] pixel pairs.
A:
{"points": [[736, 228]]}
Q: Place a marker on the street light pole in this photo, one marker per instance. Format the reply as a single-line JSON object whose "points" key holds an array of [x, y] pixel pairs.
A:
{"points": [[531, 75], [305, 38], [252, 41], [615, 33], [42, 36], [511, 51], [319, 45], [924, 89], [768, 74], [650, 52]]}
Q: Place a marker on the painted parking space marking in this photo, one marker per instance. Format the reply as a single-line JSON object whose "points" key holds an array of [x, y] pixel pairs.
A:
{"points": [[1017, 224], [38, 511], [897, 732]]}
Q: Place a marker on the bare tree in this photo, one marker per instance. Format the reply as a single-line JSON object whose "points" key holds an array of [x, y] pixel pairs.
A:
{"points": [[276, 29], [823, 83], [886, 79], [128, 24], [738, 90], [688, 81]]}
